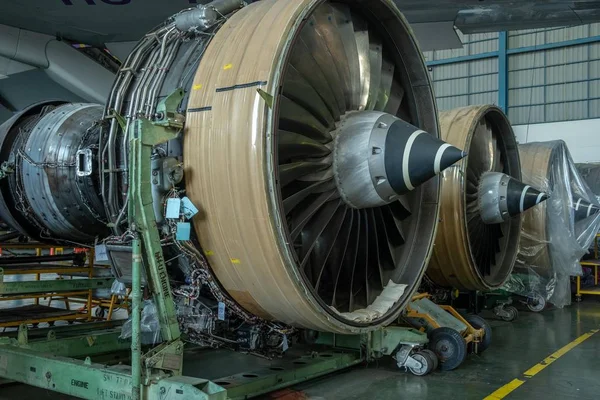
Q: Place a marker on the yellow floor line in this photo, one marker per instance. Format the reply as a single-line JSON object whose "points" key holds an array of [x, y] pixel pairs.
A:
{"points": [[515, 383]]}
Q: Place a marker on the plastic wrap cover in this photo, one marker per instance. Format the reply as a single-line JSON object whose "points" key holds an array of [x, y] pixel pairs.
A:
{"points": [[555, 234], [149, 325]]}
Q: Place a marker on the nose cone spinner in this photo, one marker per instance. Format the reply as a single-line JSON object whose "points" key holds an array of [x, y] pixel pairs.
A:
{"points": [[379, 157], [502, 197], [584, 209]]}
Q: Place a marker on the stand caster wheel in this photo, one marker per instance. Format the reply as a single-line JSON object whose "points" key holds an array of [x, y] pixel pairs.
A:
{"points": [[449, 346], [536, 302], [426, 361], [509, 314], [479, 323], [436, 362], [100, 312], [578, 299]]}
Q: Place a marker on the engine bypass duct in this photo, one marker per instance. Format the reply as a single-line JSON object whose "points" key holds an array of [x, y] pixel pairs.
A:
{"points": [[309, 142]]}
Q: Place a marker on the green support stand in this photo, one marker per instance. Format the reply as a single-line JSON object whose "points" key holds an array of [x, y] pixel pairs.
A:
{"points": [[156, 375]]}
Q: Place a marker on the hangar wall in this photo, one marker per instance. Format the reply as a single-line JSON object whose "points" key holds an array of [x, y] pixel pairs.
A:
{"points": [[540, 77]]}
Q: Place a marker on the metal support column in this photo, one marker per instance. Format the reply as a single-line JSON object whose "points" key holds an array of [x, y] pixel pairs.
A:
{"points": [[503, 71]]}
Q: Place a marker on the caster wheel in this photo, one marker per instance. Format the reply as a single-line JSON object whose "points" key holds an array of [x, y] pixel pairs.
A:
{"points": [[479, 323], [449, 346], [536, 302], [100, 312], [578, 299], [426, 364], [512, 312], [436, 362]]}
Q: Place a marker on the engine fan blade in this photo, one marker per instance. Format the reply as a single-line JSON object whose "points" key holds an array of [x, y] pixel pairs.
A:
{"points": [[376, 62], [343, 19], [385, 89], [295, 118], [295, 145]]}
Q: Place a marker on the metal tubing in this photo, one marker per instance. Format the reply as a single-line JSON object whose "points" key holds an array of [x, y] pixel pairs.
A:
{"points": [[205, 16], [136, 297]]}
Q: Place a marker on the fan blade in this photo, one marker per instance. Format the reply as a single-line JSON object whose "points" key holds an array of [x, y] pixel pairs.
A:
{"points": [[395, 100], [293, 194], [336, 258], [346, 277], [296, 118], [311, 71], [297, 89], [324, 245], [358, 298], [361, 36], [387, 79], [327, 28], [293, 171], [317, 46], [292, 145], [343, 19], [314, 228], [400, 209], [390, 238], [308, 209], [481, 151], [376, 61], [374, 277]]}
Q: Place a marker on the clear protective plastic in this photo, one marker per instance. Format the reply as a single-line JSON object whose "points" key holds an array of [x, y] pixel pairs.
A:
{"points": [[149, 326], [558, 232], [118, 288]]}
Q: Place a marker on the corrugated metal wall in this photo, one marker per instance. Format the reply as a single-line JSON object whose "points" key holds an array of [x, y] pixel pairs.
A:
{"points": [[552, 74]]}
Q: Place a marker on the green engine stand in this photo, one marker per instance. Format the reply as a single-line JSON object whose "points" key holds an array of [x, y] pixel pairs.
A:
{"points": [[61, 360]]}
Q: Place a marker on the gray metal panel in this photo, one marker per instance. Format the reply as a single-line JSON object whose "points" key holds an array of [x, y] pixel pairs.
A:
{"points": [[566, 111], [594, 69], [444, 54], [594, 109], [564, 34], [528, 77], [449, 103], [527, 60], [521, 39], [519, 97], [482, 46], [484, 66], [594, 51], [526, 115], [566, 92], [452, 87], [566, 54], [566, 73], [484, 98], [595, 88], [451, 71], [483, 83]]}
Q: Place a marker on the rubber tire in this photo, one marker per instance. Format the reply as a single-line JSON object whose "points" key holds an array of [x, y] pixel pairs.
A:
{"points": [[538, 309], [425, 358], [514, 314], [478, 323], [434, 358], [454, 339]]}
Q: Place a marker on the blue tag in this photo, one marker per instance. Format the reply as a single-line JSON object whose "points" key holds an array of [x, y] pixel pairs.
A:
{"points": [[183, 231], [189, 209], [285, 345], [100, 253], [221, 314], [173, 208]]}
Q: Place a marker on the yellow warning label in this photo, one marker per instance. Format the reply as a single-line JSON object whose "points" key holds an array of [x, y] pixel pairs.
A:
{"points": [[209, 253], [197, 87], [235, 261], [227, 66]]}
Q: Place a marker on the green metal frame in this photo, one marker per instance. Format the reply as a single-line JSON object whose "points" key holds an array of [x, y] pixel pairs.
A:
{"points": [[59, 285], [156, 374]]}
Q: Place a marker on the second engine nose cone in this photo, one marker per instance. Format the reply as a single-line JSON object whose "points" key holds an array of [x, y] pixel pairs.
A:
{"points": [[584, 209], [502, 197], [378, 157]]}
